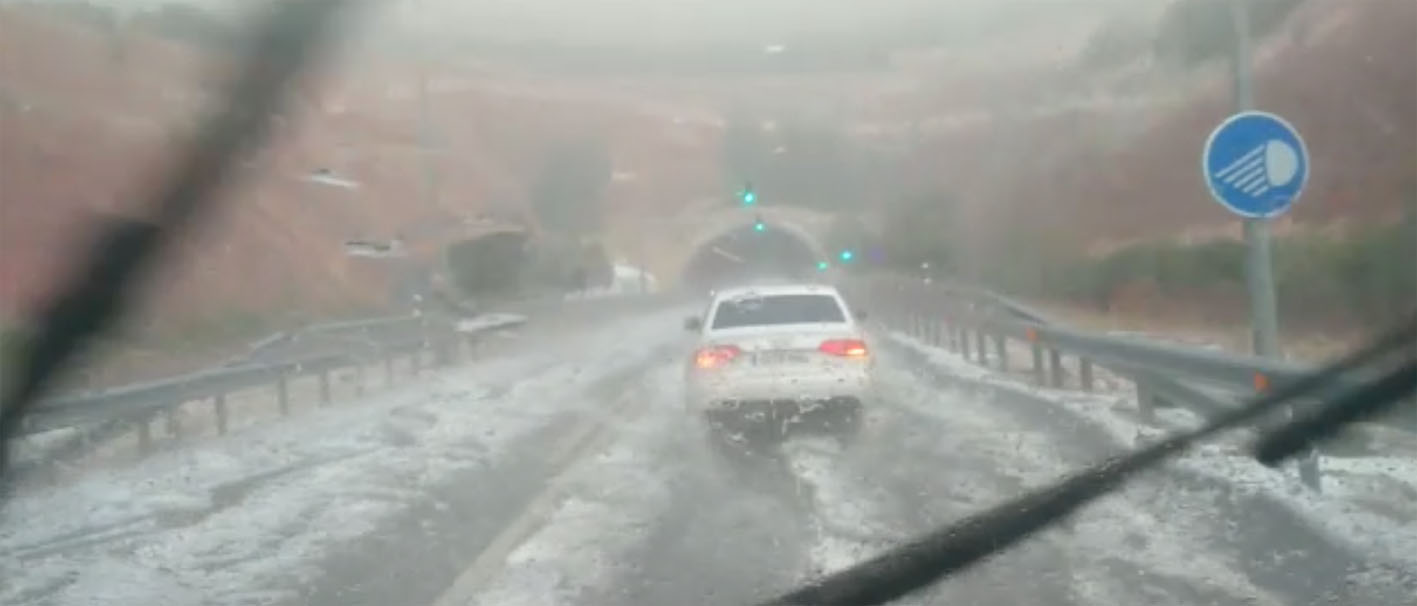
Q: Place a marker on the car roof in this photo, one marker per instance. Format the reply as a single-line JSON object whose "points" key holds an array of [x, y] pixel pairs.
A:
{"points": [[775, 289]]}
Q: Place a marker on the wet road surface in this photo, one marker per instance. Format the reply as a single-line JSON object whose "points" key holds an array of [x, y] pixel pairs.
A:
{"points": [[569, 473]]}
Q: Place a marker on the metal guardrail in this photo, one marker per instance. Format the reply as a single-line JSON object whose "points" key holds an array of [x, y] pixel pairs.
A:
{"points": [[317, 350], [998, 320], [971, 321], [138, 403], [99, 417], [342, 329]]}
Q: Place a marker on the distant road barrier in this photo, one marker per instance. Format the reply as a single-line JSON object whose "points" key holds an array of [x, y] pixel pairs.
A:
{"points": [[321, 350], [416, 342]]}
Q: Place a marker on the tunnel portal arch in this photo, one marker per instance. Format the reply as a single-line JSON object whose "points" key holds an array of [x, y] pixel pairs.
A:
{"points": [[803, 226]]}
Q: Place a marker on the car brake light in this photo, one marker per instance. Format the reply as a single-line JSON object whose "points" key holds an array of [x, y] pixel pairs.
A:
{"points": [[713, 357], [846, 348]]}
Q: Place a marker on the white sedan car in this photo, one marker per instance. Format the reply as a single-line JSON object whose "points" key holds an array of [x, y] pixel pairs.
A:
{"points": [[787, 354]]}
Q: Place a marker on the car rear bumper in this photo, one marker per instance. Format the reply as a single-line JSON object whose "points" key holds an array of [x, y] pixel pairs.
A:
{"points": [[728, 391], [834, 413]]}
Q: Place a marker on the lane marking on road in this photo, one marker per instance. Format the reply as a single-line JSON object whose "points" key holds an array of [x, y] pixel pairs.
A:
{"points": [[580, 441]]}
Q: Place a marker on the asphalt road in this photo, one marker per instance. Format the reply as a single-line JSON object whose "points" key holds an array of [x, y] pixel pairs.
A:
{"points": [[651, 510], [568, 473]]}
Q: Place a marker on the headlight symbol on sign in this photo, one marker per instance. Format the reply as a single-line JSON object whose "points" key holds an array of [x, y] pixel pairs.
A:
{"points": [[1255, 164]]}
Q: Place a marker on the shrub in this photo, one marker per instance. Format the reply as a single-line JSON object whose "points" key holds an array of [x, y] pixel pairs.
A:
{"points": [[1366, 276]]}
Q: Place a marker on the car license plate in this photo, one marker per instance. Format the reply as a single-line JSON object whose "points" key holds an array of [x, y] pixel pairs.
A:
{"points": [[776, 358]]}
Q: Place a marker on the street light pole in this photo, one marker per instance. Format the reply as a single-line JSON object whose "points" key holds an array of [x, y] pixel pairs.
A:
{"points": [[427, 158], [425, 135]]}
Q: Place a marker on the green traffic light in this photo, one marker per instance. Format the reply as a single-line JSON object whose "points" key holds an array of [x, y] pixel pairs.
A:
{"points": [[847, 255], [760, 226], [749, 197], [822, 265]]}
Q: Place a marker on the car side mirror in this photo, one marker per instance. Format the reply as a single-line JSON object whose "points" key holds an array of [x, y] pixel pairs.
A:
{"points": [[860, 315], [693, 323]]}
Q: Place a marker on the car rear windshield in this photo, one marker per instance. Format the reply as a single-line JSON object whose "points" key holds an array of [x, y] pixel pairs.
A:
{"points": [[777, 309]]}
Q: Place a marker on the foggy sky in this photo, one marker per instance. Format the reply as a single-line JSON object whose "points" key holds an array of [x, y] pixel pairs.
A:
{"points": [[648, 24], [658, 23]]}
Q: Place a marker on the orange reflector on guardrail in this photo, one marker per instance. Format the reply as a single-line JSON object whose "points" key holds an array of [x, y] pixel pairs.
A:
{"points": [[1031, 334], [1261, 382]]}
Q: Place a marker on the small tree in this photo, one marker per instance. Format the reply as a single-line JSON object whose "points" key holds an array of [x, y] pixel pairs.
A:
{"points": [[487, 265], [921, 228], [567, 193]]}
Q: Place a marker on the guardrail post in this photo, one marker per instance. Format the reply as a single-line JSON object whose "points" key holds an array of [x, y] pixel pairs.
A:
{"points": [[173, 422], [219, 407], [1085, 373], [283, 395], [1055, 367], [1039, 375], [964, 342], [388, 370], [982, 347], [145, 437], [359, 378], [1001, 348], [324, 387], [442, 354], [1146, 402], [1309, 470]]}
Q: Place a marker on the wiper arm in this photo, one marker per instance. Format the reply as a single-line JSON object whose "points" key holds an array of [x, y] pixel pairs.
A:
{"points": [[102, 288], [949, 550], [1362, 402]]}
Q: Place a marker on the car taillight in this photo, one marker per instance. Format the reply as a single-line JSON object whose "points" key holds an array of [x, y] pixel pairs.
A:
{"points": [[713, 357], [846, 348]]}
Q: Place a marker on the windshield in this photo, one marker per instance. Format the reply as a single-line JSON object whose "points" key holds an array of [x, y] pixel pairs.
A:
{"points": [[420, 307], [777, 309]]}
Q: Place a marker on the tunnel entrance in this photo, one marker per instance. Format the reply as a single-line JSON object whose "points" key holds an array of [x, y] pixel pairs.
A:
{"points": [[751, 252]]}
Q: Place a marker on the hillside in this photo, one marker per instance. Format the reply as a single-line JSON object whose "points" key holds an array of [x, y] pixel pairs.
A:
{"points": [[85, 133], [1044, 148], [1108, 171]]}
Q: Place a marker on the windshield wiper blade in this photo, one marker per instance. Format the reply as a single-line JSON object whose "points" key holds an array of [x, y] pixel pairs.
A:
{"points": [[952, 549], [106, 278], [1364, 402]]}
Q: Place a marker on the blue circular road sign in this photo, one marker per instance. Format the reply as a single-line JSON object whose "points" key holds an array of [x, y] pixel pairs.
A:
{"points": [[1255, 164]]}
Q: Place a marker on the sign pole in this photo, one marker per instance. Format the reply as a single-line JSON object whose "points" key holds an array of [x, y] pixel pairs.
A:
{"points": [[1264, 308], [1259, 272]]}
